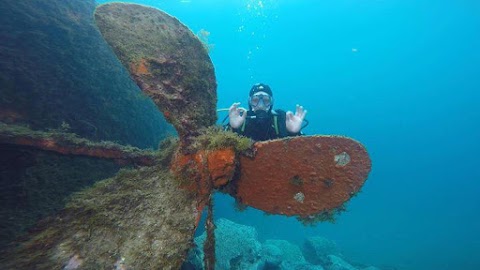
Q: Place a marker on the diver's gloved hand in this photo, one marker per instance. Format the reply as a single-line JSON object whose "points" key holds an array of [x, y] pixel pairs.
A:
{"points": [[237, 115], [294, 122]]}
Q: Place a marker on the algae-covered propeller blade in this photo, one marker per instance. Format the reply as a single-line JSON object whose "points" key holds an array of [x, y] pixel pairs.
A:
{"points": [[167, 62]]}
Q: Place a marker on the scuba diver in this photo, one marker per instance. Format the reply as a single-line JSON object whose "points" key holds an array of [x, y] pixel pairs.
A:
{"points": [[261, 122]]}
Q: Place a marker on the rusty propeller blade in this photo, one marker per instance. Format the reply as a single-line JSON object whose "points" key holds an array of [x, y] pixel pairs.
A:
{"points": [[166, 60], [302, 176]]}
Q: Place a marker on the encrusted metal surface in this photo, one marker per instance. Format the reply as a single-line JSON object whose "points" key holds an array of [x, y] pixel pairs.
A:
{"points": [[302, 176], [167, 62]]}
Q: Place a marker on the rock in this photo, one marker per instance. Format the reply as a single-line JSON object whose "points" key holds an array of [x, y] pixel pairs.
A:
{"points": [[300, 266], [371, 268], [337, 263], [272, 255], [316, 249], [290, 252], [236, 246]]}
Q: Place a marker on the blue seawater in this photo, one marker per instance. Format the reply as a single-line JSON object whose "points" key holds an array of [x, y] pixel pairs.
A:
{"points": [[402, 77]]}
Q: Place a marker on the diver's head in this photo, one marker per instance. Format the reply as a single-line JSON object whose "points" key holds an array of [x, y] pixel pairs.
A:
{"points": [[260, 98]]}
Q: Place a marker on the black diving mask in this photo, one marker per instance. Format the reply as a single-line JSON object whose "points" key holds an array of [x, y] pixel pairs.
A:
{"points": [[255, 100]]}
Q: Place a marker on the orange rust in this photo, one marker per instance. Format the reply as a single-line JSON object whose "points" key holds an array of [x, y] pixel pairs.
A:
{"points": [[66, 147], [198, 211], [140, 67], [204, 171], [191, 171], [302, 175], [167, 114], [49, 143], [221, 165]]}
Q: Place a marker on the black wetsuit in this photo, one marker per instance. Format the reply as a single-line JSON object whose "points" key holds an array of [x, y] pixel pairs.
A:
{"points": [[265, 129]]}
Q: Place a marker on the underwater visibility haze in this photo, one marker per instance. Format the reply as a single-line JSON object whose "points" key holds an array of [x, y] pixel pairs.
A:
{"points": [[400, 76]]}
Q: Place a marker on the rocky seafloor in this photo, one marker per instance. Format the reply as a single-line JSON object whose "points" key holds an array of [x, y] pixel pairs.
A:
{"points": [[238, 247]]}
